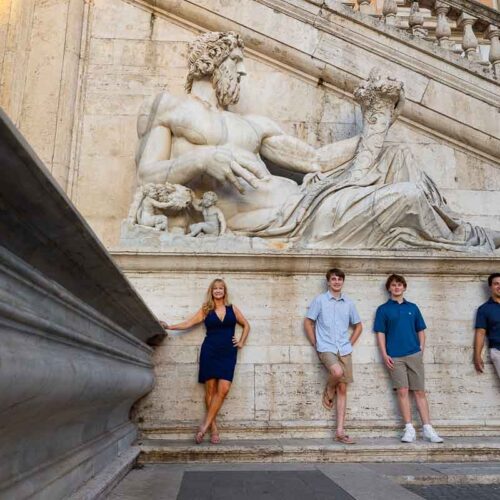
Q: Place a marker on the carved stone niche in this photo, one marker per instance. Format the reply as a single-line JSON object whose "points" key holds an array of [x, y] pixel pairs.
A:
{"points": [[357, 193]]}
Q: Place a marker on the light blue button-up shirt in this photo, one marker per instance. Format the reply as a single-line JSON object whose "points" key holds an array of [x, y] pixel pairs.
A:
{"points": [[332, 319]]}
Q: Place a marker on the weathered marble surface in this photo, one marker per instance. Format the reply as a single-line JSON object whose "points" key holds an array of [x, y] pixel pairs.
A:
{"points": [[319, 58], [72, 359], [278, 381]]}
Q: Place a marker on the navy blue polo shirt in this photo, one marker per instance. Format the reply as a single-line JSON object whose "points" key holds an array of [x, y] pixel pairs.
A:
{"points": [[488, 317], [401, 324]]}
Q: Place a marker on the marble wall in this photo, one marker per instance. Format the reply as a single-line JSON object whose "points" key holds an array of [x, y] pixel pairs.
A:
{"points": [[279, 381]]}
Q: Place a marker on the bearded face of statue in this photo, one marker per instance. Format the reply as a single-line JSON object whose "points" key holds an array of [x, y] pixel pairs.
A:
{"points": [[226, 78]]}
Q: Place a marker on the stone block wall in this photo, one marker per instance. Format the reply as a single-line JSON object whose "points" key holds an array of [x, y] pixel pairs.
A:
{"points": [[279, 380]]}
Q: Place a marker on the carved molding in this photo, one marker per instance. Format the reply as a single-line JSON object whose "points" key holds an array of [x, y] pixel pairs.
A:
{"points": [[358, 263]]}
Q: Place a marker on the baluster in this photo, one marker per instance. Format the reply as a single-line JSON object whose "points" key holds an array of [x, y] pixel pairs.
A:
{"points": [[443, 30], [469, 41], [493, 35], [416, 21], [390, 11], [364, 6]]}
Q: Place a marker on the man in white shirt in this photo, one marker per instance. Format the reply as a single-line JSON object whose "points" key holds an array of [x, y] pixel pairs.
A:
{"points": [[327, 327]]}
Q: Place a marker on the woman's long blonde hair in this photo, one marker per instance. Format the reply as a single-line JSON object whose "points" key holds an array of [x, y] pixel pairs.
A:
{"points": [[209, 305]]}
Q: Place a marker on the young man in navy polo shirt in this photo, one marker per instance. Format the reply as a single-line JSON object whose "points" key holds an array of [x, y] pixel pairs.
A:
{"points": [[488, 325], [400, 330]]}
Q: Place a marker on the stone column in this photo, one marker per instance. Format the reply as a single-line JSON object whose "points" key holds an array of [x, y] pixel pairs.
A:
{"points": [[390, 11], [416, 21], [443, 30], [365, 6], [469, 41], [492, 33]]}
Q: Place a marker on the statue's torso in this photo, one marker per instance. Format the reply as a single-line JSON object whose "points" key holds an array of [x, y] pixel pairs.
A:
{"points": [[193, 124]]}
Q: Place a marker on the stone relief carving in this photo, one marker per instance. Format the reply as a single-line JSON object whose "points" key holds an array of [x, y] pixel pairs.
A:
{"points": [[355, 193], [150, 199], [214, 221]]}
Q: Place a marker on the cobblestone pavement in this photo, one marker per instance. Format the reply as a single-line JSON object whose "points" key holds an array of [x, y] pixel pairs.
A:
{"points": [[457, 492]]}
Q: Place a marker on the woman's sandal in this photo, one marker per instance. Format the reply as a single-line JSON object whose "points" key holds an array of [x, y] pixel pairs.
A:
{"points": [[198, 437], [344, 439], [215, 438]]}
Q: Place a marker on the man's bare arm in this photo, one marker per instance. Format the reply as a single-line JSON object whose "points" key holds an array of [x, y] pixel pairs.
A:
{"points": [[356, 332], [309, 328], [421, 339], [389, 362], [478, 349]]}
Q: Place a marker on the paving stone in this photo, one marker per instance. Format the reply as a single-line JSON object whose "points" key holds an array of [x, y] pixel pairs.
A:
{"points": [[457, 492], [262, 485]]}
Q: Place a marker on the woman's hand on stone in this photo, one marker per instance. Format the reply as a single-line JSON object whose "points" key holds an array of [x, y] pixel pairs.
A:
{"points": [[164, 325], [237, 343]]}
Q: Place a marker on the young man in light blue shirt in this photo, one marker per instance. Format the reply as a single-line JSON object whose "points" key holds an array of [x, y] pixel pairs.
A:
{"points": [[327, 327]]}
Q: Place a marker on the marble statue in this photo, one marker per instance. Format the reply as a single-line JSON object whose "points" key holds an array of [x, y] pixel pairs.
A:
{"points": [[214, 222], [152, 198], [355, 193]]}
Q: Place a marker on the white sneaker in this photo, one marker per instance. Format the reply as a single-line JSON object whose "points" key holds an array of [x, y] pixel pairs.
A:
{"points": [[409, 435], [431, 435]]}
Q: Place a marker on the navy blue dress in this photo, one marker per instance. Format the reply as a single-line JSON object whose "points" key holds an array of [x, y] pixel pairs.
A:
{"points": [[218, 354]]}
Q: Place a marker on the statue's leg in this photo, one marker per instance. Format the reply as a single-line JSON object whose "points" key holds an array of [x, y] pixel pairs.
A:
{"points": [[195, 229], [161, 222]]}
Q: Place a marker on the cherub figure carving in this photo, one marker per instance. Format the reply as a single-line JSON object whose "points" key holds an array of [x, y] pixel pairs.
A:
{"points": [[151, 198], [214, 221]]}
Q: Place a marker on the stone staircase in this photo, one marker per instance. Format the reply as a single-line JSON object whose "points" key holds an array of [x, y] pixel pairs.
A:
{"points": [[313, 442], [467, 28]]}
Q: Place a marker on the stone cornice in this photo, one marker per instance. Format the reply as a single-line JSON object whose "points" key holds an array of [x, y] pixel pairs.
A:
{"points": [[24, 315], [357, 262]]}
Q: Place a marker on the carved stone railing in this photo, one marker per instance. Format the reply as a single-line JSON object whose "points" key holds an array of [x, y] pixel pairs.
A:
{"points": [[465, 27]]}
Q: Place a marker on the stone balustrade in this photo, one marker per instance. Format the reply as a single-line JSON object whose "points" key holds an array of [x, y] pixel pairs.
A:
{"points": [[467, 28]]}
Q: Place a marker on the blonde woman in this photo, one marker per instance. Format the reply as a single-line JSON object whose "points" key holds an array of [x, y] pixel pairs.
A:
{"points": [[218, 351]]}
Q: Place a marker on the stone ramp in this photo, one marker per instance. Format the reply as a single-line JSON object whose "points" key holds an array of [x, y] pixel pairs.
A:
{"points": [[456, 449]]}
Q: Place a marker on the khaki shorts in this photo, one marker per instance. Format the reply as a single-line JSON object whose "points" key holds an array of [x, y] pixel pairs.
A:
{"points": [[329, 359], [409, 372]]}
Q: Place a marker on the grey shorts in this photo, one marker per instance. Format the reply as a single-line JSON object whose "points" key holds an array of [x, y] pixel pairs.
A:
{"points": [[409, 372], [495, 359], [329, 358]]}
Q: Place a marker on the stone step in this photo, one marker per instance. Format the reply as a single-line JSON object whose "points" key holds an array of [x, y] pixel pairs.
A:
{"points": [[312, 429], [454, 449]]}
